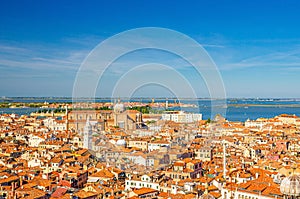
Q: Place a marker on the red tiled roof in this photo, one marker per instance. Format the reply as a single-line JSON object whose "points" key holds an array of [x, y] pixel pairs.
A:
{"points": [[58, 193], [64, 183]]}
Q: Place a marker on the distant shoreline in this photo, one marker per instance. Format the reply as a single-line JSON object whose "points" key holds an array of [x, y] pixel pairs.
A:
{"points": [[186, 105], [157, 98], [265, 105]]}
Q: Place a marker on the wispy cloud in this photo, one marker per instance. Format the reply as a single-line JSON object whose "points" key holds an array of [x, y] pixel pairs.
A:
{"points": [[213, 45], [38, 60], [12, 49], [56, 61], [280, 60], [84, 41]]}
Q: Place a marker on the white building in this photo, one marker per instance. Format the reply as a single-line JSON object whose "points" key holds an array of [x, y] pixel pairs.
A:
{"points": [[137, 158], [34, 163], [181, 117], [35, 140], [142, 181], [156, 145], [55, 124], [144, 133]]}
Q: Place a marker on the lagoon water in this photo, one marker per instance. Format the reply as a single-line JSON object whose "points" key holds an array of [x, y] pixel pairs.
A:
{"points": [[233, 109]]}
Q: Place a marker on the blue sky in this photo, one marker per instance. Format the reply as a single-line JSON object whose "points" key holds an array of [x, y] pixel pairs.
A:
{"points": [[255, 44]]}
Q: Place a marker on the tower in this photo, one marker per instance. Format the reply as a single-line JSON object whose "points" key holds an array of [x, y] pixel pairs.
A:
{"points": [[167, 104], [87, 135], [67, 119], [224, 160], [120, 117]]}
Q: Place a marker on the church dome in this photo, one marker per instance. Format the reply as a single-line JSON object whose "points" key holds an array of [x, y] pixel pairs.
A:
{"points": [[121, 142], [291, 185], [119, 108], [206, 196]]}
